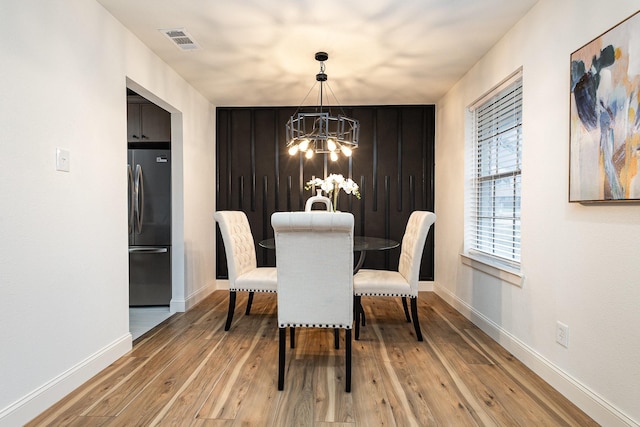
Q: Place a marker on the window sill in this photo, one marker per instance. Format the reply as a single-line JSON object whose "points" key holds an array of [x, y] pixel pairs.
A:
{"points": [[488, 266]]}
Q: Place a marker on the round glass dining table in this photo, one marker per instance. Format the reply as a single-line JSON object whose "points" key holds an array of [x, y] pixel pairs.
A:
{"points": [[361, 244]]}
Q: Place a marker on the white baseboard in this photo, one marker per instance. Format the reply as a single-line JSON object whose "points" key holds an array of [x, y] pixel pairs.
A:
{"points": [[425, 286], [177, 305], [579, 394], [182, 305], [34, 403]]}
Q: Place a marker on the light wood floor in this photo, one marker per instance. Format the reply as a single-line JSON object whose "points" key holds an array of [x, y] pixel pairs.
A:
{"points": [[189, 372]]}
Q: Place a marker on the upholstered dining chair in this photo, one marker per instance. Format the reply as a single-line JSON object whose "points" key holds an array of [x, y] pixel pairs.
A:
{"points": [[314, 259], [244, 273], [402, 283]]}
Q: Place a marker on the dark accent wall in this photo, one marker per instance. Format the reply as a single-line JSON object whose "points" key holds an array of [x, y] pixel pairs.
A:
{"points": [[394, 167]]}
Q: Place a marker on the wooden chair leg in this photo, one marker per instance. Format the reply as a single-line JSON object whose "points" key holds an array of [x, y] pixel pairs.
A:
{"points": [[358, 301], [292, 337], [336, 338], [282, 338], [414, 314], [249, 302], [358, 314], [406, 309], [232, 307], [348, 361]]}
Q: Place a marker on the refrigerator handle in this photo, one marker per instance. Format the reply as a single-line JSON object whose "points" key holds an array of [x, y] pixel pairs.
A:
{"points": [[131, 196], [147, 250], [139, 199]]}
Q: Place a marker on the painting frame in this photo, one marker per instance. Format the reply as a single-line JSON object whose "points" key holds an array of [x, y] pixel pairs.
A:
{"points": [[604, 147]]}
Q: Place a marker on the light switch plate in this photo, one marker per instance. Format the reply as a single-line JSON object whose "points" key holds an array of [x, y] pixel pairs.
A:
{"points": [[63, 159]]}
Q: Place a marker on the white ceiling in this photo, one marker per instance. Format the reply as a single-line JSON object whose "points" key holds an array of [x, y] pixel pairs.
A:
{"points": [[381, 52]]}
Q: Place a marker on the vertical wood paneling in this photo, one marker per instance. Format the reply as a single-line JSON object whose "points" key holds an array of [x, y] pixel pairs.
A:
{"points": [[276, 161], [387, 216], [241, 193], [374, 163], [218, 163], [427, 175], [301, 182], [394, 166], [400, 172], [252, 151], [363, 197], [412, 193], [266, 219], [265, 211], [229, 191]]}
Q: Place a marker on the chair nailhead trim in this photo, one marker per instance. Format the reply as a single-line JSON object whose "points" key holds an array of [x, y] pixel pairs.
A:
{"points": [[308, 325], [382, 294], [253, 290]]}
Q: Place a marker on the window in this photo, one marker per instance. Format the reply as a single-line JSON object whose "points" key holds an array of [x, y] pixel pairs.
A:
{"points": [[495, 172]]}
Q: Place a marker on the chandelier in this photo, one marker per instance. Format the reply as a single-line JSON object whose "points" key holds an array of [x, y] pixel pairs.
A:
{"points": [[320, 131]]}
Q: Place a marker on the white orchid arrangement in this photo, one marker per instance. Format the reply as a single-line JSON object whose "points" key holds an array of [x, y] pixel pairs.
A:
{"points": [[332, 184]]}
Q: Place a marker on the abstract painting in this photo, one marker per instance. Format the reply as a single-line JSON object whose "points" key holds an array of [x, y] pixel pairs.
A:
{"points": [[604, 161]]}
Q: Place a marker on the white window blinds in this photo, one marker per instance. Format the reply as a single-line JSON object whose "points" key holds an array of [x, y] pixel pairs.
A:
{"points": [[494, 199]]}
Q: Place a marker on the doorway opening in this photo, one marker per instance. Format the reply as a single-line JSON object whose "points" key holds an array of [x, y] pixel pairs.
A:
{"points": [[149, 213]]}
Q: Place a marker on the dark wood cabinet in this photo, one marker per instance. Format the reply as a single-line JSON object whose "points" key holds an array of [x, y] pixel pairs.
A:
{"points": [[146, 122]]}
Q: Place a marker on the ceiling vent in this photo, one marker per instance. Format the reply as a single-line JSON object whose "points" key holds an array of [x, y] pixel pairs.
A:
{"points": [[181, 38]]}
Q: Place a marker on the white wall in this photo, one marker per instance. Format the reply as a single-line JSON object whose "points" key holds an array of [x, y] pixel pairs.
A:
{"points": [[63, 238], [581, 262]]}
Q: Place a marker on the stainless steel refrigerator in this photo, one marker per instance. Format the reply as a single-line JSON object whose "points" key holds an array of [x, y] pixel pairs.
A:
{"points": [[149, 176]]}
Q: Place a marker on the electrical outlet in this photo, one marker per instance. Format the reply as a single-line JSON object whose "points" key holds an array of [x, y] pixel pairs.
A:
{"points": [[562, 334]]}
